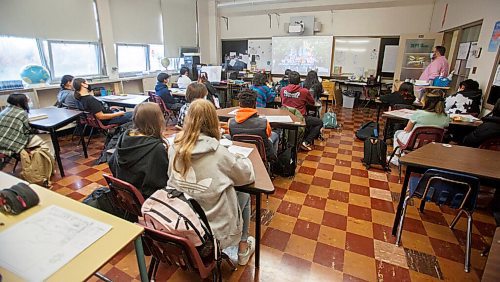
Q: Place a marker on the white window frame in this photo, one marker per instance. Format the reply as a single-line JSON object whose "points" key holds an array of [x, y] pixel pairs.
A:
{"points": [[133, 73], [99, 58]]}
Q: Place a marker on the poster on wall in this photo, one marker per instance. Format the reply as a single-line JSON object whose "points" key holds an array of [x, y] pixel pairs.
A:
{"points": [[495, 38], [260, 50], [463, 51]]}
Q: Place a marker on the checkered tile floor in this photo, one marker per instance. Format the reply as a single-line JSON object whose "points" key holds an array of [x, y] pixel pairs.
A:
{"points": [[331, 222]]}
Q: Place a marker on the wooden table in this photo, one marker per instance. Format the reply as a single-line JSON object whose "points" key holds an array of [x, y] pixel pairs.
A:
{"points": [[85, 264], [124, 100], [262, 184], [57, 118], [178, 92], [224, 115], [492, 269], [477, 162]]}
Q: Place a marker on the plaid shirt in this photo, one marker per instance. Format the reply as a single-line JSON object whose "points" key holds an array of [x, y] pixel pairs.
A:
{"points": [[14, 130], [182, 114]]}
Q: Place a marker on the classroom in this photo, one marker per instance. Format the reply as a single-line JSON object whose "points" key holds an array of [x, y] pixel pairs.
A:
{"points": [[249, 140]]}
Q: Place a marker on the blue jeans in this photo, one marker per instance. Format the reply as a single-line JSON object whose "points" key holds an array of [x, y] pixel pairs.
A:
{"points": [[244, 202], [275, 138], [119, 120]]}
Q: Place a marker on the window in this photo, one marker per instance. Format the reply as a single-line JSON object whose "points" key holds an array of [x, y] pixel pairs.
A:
{"points": [[15, 53], [132, 58], [75, 58], [156, 53]]}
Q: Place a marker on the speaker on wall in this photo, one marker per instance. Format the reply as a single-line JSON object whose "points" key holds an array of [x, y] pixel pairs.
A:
{"points": [[317, 27]]}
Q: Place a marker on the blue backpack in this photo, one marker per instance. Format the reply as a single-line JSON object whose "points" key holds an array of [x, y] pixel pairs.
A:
{"points": [[330, 120]]}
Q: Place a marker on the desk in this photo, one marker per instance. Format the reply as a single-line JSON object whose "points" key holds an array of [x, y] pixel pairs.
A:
{"points": [[262, 184], [85, 264], [224, 115], [178, 92], [57, 118], [128, 101], [477, 162], [492, 269], [363, 84]]}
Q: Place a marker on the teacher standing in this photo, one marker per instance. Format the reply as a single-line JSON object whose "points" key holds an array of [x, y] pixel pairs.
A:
{"points": [[439, 66]]}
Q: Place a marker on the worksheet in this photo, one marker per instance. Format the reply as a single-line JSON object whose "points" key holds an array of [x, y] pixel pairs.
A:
{"points": [[41, 244], [278, 118], [240, 150]]}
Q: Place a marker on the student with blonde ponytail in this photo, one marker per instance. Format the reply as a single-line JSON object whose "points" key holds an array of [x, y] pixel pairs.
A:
{"points": [[202, 168], [432, 114]]}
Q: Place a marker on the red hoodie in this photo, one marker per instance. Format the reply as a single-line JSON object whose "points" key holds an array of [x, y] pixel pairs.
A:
{"points": [[297, 97]]}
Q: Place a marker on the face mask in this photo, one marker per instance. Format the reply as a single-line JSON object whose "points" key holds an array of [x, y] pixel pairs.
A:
{"points": [[432, 55], [89, 87]]}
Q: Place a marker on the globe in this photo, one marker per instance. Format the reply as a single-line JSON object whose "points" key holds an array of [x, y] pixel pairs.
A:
{"points": [[34, 74], [165, 62]]}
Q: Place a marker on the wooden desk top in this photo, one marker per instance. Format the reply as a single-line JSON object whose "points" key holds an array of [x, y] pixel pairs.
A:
{"points": [[57, 117], [224, 115], [477, 162], [128, 101], [492, 269], [462, 123], [91, 259], [263, 182]]}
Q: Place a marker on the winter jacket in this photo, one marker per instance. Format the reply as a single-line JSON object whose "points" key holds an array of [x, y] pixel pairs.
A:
{"points": [[163, 91], [141, 161], [464, 102], [296, 97], [210, 181]]}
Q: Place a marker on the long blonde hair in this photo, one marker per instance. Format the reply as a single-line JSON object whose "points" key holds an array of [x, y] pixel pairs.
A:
{"points": [[201, 118], [148, 120]]}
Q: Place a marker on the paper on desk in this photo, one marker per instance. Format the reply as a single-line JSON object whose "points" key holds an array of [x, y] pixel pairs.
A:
{"points": [[114, 97], [403, 113], [41, 244], [279, 118], [233, 112], [240, 150], [34, 117]]}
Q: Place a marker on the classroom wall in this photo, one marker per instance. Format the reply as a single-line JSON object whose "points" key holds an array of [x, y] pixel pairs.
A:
{"points": [[179, 25], [361, 22], [461, 12]]}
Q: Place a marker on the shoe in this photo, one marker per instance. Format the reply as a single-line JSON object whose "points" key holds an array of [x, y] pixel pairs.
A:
{"points": [[305, 146], [243, 258]]}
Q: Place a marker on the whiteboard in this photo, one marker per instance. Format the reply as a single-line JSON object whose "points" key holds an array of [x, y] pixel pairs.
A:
{"points": [[302, 54], [356, 55], [390, 57], [262, 50], [214, 73]]}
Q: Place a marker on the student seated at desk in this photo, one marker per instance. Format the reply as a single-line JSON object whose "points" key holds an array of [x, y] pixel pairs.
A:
{"points": [[264, 93], [15, 131], [194, 91], [107, 115], [490, 128], [247, 121], [404, 95], [212, 93], [163, 92], [141, 157], [284, 81], [432, 114], [208, 172], [66, 96], [467, 100], [183, 81], [298, 97], [313, 84]]}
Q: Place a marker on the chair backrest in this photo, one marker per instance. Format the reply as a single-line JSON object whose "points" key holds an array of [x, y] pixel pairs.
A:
{"points": [[176, 250], [125, 195], [448, 188], [253, 139], [421, 136], [151, 96], [91, 120], [491, 144], [158, 100], [401, 106]]}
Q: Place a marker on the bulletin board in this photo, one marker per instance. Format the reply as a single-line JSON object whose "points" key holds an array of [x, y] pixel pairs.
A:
{"points": [[356, 55]]}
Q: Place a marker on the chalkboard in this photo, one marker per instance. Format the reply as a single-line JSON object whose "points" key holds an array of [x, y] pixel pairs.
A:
{"points": [[238, 46]]}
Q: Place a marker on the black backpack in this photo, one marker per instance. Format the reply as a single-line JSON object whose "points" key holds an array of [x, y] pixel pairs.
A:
{"points": [[375, 151], [367, 130], [285, 165]]}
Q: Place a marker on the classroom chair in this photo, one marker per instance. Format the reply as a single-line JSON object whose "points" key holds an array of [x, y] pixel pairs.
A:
{"points": [[95, 123], [125, 196], [421, 136], [151, 96], [491, 144], [167, 113], [258, 142], [456, 190]]}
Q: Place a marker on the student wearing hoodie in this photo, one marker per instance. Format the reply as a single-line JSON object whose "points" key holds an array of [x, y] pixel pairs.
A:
{"points": [[467, 100], [247, 121], [162, 90], [490, 128], [265, 94], [140, 157], [208, 172], [297, 97]]}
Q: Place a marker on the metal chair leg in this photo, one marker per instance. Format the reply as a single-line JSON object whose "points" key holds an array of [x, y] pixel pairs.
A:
{"points": [[15, 165], [102, 277], [90, 136], [151, 269], [401, 221], [455, 220], [468, 243]]}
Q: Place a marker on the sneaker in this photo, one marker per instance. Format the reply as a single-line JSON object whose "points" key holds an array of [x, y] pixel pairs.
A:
{"points": [[244, 257], [305, 146]]}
